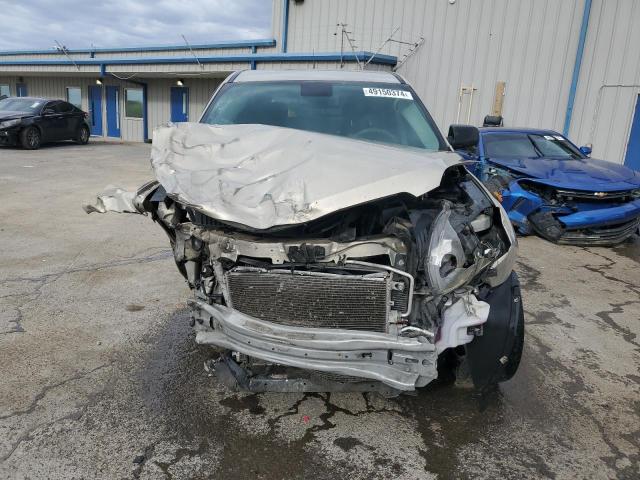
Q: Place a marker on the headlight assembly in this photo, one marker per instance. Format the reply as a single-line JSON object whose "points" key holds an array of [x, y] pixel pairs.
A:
{"points": [[446, 263], [10, 123]]}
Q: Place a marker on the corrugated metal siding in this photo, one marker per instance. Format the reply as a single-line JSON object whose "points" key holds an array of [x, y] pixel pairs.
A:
{"points": [[529, 45], [609, 81]]}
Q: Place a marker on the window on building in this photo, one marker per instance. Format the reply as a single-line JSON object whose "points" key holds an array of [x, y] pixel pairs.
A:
{"points": [[133, 102], [5, 91], [74, 96]]}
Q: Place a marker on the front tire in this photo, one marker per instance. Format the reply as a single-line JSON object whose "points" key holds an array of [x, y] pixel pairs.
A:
{"points": [[82, 137], [31, 138]]}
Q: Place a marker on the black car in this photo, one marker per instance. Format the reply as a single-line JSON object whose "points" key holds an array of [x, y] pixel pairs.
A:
{"points": [[31, 121]]}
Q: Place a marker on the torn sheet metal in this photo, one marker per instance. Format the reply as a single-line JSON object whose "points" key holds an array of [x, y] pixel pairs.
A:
{"points": [[116, 199], [262, 176]]}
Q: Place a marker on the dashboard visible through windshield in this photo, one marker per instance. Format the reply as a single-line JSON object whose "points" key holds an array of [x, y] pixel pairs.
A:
{"points": [[385, 113]]}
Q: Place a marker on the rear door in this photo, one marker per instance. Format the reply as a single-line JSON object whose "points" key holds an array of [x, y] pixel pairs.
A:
{"points": [[68, 125]]}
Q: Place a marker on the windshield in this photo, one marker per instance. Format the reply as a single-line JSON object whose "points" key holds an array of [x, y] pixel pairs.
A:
{"points": [[502, 145], [20, 105], [386, 113]]}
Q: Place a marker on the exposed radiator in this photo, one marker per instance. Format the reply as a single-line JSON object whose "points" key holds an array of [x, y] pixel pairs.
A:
{"points": [[310, 299]]}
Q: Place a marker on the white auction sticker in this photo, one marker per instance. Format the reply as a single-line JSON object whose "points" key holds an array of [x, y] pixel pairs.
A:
{"points": [[386, 92]]}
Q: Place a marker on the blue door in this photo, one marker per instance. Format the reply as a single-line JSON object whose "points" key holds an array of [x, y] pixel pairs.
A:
{"points": [[21, 89], [95, 109], [113, 111], [179, 104], [632, 160]]}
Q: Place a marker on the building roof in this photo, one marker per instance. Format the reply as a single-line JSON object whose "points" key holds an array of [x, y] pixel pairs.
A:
{"points": [[320, 75], [268, 42]]}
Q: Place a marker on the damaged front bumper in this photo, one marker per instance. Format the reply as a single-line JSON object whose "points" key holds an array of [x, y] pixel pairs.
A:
{"points": [[402, 363], [574, 223]]}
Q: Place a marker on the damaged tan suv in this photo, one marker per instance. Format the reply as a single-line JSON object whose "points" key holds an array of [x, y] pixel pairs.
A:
{"points": [[332, 239]]}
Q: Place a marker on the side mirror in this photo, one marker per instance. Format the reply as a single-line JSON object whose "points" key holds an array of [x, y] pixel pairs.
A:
{"points": [[463, 136], [48, 111], [586, 149]]}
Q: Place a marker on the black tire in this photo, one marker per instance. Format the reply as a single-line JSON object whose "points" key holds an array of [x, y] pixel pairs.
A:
{"points": [[82, 137], [30, 138]]}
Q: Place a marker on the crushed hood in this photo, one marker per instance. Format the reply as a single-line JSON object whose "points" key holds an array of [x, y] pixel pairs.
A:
{"points": [[586, 174], [263, 176]]}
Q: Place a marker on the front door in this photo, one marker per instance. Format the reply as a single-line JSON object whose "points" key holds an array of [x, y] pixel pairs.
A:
{"points": [[95, 109], [21, 89], [52, 123], [113, 111], [632, 160], [179, 104]]}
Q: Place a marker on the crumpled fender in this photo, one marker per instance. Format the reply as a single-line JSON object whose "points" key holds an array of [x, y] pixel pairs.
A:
{"points": [[116, 199]]}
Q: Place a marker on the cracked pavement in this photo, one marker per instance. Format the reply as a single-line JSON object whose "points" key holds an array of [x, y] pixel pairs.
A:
{"points": [[101, 377]]}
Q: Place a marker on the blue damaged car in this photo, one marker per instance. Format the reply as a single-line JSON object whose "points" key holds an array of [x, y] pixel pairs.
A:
{"points": [[550, 187]]}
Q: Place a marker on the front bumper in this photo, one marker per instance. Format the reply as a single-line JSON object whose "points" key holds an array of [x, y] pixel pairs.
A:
{"points": [[400, 362], [583, 224], [602, 217], [8, 137]]}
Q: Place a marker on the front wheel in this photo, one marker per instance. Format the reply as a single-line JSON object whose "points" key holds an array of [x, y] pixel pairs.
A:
{"points": [[30, 138], [82, 137]]}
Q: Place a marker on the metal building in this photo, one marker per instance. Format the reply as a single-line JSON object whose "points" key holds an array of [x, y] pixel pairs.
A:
{"points": [[569, 65]]}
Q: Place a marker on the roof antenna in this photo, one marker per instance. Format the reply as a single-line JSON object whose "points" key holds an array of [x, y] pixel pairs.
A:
{"points": [[191, 50], [346, 35], [63, 49], [389, 38]]}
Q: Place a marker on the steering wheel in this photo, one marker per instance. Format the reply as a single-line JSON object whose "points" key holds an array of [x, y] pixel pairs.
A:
{"points": [[375, 134]]}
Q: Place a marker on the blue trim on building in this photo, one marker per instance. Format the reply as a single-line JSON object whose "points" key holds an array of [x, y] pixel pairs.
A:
{"points": [[285, 24], [576, 68], [258, 57], [153, 48]]}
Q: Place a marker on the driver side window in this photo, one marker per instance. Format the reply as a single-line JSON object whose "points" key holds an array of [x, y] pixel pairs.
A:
{"points": [[51, 106]]}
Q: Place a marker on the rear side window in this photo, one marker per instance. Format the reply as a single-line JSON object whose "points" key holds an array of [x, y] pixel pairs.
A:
{"points": [[386, 113]]}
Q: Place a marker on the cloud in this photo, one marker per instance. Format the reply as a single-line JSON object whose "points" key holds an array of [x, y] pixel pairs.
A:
{"points": [[36, 24]]}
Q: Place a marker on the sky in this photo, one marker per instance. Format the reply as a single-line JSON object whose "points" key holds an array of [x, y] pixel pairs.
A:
{"points": [[37, 24]]}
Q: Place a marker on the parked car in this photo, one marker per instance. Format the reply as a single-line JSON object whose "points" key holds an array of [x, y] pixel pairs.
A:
{"points": [[550, 187], [332, 239], [30, 122]]}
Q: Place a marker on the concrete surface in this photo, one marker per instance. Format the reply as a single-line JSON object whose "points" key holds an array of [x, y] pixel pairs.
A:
{"points": [[101, 377]]}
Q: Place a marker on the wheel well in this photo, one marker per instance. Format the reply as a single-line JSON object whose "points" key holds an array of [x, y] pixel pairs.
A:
{"points": [[37, 127]]}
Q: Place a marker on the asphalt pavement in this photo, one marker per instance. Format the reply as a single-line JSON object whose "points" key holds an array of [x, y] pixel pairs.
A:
{"points": [[101, 378]]}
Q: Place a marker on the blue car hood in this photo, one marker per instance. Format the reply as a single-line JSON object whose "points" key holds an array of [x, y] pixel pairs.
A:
{"points": [[583, 174]]}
